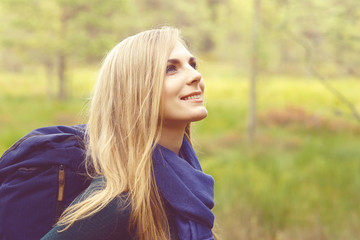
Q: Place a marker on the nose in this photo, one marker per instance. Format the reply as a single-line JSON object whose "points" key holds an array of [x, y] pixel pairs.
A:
{"points": [[194, 76]]}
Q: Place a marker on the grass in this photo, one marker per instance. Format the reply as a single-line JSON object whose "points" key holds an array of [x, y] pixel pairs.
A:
{"points": [[287, 182], [298, 181]]}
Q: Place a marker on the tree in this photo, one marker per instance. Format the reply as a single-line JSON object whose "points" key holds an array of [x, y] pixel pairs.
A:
{"points": [[55, 33], [254, 70]]}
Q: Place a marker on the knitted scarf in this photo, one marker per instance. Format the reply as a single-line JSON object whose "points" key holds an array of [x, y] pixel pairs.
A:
{"points": [[188, 190]]}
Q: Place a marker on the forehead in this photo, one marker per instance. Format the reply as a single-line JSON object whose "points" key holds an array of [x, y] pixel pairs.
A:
{"points": [[180, 52]]}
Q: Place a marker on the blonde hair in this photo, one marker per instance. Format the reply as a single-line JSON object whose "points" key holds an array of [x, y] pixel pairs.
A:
{"points": [[124, 125]]}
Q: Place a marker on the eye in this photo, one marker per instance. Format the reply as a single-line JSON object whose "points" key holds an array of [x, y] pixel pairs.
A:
{"points": [[193, 64], [170, 68]]}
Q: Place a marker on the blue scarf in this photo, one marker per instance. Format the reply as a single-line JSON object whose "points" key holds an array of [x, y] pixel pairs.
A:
{"points": [[188, 190]]}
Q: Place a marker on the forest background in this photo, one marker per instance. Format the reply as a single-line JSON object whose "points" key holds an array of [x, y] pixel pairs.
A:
{"points": [[282, 135]]}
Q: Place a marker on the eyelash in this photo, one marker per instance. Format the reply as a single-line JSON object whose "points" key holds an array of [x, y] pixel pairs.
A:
{"points": [[171, 68], [194, 65]]}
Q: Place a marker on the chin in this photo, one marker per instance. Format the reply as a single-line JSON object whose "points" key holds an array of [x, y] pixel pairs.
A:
{"points": [[200, 116]]}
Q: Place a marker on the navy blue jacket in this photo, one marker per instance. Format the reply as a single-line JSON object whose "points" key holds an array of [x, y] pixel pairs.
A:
{"points": [[110, 223]]}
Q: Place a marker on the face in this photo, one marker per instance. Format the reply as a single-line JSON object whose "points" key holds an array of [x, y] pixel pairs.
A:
{"points": [[183, 94]]}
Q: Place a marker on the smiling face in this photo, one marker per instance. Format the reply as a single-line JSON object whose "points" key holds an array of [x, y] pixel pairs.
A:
{"points": [[183, 93]]}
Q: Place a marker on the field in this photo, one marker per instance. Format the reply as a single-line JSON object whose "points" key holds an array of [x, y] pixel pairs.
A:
{"points": [[300, 178]]}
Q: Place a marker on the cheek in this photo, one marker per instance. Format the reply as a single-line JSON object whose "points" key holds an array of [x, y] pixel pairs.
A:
{"points": [[202, 85], [166, 94], [168, 97], [171, 89]]}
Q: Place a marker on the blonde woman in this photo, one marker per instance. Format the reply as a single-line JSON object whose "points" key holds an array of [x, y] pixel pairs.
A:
{"points": [[148, 183]]}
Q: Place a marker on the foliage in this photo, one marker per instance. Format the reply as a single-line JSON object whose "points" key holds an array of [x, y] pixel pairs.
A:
{"points": [[58, 33], [39, 31]]}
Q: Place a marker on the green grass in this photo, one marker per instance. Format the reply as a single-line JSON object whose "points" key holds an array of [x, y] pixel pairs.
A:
{"points": [[288, 181], [299, 180]]}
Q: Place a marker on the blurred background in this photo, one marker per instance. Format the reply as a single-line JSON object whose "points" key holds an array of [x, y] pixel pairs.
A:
{"points": [[282, 138]]}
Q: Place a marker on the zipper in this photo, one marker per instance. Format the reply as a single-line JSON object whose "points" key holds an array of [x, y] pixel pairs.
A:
{"points": [[61, 183], [60, 196]]}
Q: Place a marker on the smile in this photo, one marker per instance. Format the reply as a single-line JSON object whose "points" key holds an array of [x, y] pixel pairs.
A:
{"points": [[198, 96]]}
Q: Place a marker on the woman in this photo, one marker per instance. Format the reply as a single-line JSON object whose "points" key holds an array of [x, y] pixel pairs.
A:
{"points": [[148, 182]]}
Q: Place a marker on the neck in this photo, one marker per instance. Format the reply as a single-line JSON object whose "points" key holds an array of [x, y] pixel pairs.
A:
{"points": [[172, 137]]}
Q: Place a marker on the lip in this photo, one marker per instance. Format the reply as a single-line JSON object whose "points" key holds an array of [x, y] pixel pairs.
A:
{"points": [[191, 94]]}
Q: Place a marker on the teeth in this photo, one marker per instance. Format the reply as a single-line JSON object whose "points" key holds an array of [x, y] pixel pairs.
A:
{"points": [[193, 97]]}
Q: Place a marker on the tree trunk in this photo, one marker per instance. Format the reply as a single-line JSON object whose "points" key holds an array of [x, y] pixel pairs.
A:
{"points": [[61, 76], [49, 78], [251, 128], [61, 63]]}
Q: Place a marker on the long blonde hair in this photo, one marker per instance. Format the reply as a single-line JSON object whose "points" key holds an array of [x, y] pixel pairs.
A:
{"points": [[124, 124]]}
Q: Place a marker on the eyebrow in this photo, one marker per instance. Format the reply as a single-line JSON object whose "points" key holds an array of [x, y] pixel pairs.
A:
{"points": [[177, 61]]}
